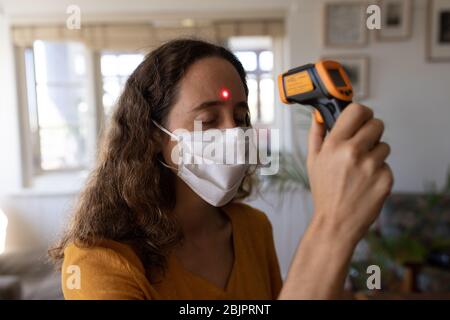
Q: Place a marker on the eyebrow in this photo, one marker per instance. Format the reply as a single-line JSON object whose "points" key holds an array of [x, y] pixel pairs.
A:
{"points": [[213, 103]]}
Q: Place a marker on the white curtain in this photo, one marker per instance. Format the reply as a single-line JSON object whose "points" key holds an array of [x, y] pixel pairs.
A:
{"points": [[143, 37]]}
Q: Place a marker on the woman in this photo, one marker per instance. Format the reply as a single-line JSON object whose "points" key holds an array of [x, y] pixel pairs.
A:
{"points": [[140, 231]]}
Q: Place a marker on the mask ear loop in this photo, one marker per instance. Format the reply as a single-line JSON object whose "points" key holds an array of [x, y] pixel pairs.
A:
{"points": [[165, 130], [171, 135], [167, 166]]}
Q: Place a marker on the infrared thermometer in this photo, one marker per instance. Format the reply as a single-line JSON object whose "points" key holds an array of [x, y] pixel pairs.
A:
{"points": [[324, 85]]}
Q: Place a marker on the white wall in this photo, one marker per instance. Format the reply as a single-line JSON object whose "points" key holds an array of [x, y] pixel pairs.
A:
{"points": [[410, 94], [10, 164]]}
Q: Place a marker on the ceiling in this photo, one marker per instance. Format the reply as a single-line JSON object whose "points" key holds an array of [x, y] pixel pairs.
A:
{"points": [[47, 11]]}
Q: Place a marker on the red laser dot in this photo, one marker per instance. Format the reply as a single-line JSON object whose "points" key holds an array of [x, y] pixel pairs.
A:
{"points": [[225, 94]]}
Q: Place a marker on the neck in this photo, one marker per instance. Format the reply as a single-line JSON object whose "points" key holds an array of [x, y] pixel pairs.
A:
{"points": [[194, 214]]}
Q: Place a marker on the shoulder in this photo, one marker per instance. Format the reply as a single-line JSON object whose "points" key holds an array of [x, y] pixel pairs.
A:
{"points": [[114, 253], [107, 270]]}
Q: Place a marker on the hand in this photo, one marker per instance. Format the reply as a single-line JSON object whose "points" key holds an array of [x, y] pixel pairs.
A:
{"points": [[349, 177]]}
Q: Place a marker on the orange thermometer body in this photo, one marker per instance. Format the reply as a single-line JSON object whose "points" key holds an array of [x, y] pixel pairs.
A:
{"points": [[324, 86]]}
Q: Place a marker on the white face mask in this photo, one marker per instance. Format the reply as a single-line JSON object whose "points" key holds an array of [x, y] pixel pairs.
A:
{"points": [[216, 181]]}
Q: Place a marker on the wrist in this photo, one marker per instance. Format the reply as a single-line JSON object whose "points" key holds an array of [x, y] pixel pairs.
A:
{"points": [[324, 229], [320, 264]]}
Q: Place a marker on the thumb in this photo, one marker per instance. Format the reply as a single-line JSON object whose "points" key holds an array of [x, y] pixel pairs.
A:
{"points": [[316, 137]]}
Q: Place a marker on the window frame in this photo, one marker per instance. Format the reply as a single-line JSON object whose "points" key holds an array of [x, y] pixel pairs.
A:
{"points": [[30, 171], [282, 116], [31, 151], [98, 76], [259, 74]]}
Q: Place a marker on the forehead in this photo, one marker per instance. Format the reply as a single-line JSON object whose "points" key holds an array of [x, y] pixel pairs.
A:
{"points": [[208, 77]]}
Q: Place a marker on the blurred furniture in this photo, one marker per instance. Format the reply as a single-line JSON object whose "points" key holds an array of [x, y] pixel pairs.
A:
{"points": [[411, 245], [10, 288], [28, 275]]}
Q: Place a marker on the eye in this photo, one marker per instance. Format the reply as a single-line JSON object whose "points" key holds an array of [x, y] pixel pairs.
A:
{"points": [[208, 122], [207, 118]]}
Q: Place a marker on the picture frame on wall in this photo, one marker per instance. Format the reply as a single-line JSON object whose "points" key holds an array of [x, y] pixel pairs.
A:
{"points": [[344, 24], [396, 20], [358, 69], [438, 33]]}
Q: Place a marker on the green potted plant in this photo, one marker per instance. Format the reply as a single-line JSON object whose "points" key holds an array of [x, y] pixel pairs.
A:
{"points": [[423, 231]]}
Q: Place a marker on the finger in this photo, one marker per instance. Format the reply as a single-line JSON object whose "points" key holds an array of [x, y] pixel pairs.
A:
{"points": [[316, 137], [385, 180], [369, 134], [377, 157], [350, 121], [381, 152]]}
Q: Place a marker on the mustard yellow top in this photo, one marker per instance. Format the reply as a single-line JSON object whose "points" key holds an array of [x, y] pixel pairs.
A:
{"points": [[112, 270]]}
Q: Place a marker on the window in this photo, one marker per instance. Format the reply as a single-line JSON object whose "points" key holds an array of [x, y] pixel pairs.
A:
{"points": [[62, 120], [59, 113], [115, 70], [256, 56]]}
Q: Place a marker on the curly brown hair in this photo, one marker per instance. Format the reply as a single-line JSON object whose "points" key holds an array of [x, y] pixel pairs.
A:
{"points": [[129, 196]]}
